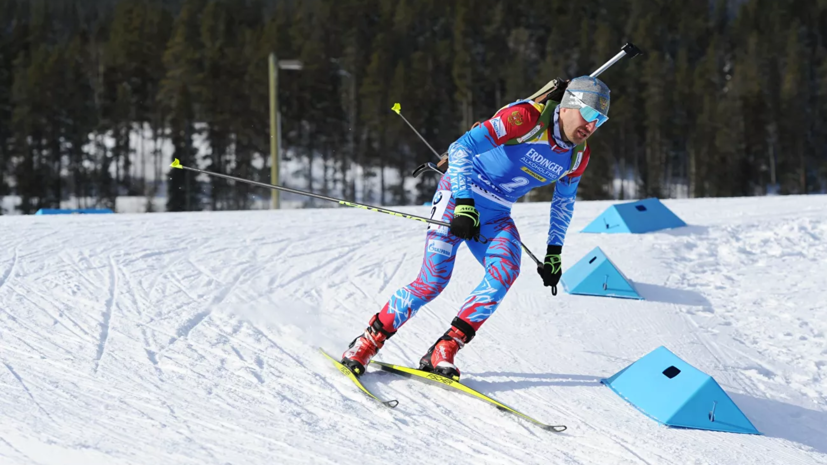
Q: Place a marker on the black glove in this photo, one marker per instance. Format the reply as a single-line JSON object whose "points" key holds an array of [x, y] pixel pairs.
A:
{"points": [[466, 221], [552, 268]]}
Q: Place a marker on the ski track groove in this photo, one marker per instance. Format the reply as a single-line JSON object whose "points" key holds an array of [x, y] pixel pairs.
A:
{"points": [[388, 279], [358, 287], [151, 354], [34, 332], [106, 325], [229, 426], [157, 276], [54, 318], [201, 270], [185, 329], [28, 392], [132, 293], [191, 344], [10, 272], [230, 339], [4, 441], [186, 425], [714, 350], [216, 407], [33, 349], [278, 347], [605, 432], [322, 267], [79, 326], [75, 264]]}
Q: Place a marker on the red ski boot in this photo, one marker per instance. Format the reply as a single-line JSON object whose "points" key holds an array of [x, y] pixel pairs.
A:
{"points": [[363, 348], [440, 357]]}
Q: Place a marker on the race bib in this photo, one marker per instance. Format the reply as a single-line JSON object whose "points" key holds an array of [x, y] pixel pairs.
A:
{"points": [[440, 204]]}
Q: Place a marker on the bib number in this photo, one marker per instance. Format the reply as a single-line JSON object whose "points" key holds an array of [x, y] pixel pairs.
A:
{"points": [[516, 182]]}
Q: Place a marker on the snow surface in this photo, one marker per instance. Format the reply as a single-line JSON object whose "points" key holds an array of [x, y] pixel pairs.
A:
{"points": [[192, 339]]}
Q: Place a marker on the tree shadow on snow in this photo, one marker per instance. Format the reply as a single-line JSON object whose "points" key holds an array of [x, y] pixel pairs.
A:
{"points": [[779, 420], [525, 380], [656, 293]]}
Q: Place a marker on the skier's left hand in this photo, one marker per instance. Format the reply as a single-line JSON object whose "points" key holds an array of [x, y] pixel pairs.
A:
{"points": [[466, 221], [552, 267]]}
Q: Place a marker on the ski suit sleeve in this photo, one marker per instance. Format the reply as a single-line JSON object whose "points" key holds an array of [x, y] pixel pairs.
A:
{"points": [[562, 204], [509, 123]]}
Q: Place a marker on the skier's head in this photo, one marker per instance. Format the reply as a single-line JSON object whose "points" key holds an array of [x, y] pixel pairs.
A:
{"points": [[585, 106]]}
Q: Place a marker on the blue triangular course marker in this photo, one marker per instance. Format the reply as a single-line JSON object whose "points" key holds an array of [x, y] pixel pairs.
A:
{"points": [[638, 217], [596, 275], [674, 393]]}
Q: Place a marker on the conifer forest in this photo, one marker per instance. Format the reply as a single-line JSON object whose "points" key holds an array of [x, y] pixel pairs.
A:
{"points": [[97, 97]]}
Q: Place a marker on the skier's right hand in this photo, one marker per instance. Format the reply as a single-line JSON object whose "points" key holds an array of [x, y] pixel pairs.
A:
{"points": [[552, 268], [466, 221]]}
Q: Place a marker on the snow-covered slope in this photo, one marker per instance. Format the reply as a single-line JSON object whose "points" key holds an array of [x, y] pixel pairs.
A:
{"points": [[192, 339]]}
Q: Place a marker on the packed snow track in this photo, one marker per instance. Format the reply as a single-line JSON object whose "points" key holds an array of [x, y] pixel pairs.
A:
{"points": [[193, 339]]}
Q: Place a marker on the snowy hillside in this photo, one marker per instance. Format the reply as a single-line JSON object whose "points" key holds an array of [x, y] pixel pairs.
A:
{"points": [[192, 339]]}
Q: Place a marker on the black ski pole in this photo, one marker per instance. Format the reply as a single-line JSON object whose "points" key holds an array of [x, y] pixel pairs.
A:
{"points": [[397, 108]]}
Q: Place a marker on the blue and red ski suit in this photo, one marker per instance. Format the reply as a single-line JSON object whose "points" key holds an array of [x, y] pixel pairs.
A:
{"points": [[495, 175]]}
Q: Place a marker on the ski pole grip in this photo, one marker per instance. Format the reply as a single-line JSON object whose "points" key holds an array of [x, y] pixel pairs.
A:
{"points": [[631, 50]]}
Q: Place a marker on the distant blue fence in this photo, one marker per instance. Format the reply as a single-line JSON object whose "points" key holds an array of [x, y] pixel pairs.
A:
{"points": [[78, 211]]}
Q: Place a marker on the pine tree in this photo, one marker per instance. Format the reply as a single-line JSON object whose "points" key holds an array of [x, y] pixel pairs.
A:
{"points": [[796, 110], [216, 92], [178, 89], [8, 49], [728, 99], [821, 140], [518, 84], [655, 119], [374, 104], [597, 180], [80, 119], [133, 59], [29, 126], [702, 154], [462, 68]]}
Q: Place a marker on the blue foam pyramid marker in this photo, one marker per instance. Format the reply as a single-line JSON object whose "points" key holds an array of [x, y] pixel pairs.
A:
{"points": [[596, 275], [674, 393], [638, 217]]}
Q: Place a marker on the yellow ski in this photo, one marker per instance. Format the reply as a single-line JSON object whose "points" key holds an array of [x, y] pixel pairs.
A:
{"points": [[448, 382], [346, 371]]}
